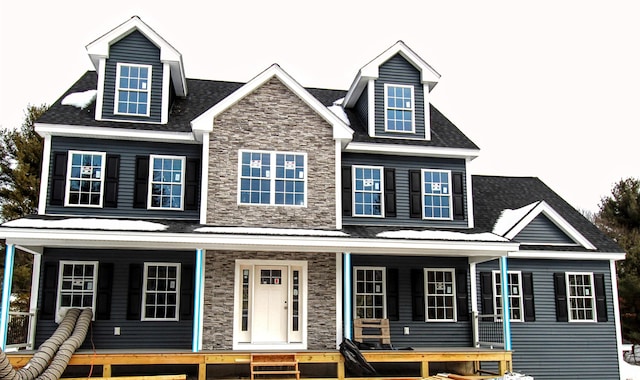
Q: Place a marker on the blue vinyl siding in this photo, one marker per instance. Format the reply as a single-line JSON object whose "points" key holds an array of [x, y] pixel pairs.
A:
{"points": [[550, 350], [542, 230], [421, 334], [398, 70], [135, 48], [402, 165], [128, 150], [362, 107], [134, 333]]}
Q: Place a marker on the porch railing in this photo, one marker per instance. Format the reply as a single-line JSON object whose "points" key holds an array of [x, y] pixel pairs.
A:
{"points": [[20, 331], [488, 330]]}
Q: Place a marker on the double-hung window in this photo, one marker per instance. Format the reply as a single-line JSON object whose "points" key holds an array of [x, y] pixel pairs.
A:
{"points": [[161, 299], [581, 296], [85, 179], [440, 294], [133, 89], [436, 194], [399, 108], [272, 178], [369, 292], [514, 286], [77, 285], [368, 191], [166, 182]]}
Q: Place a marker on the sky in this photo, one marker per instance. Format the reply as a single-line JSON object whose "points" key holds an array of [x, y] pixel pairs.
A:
{"points": [[545, 88]]}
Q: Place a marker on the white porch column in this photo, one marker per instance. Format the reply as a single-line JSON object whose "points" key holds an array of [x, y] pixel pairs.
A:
{"points": [[348, 307], [6, 294], [198, 301], [506, 313], [33, 298]]}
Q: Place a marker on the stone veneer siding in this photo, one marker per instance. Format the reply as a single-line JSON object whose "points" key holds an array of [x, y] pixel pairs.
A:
{"points": [[271, 118], [219, 293]]}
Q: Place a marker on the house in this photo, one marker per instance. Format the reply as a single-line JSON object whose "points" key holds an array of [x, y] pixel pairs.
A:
{"points": [[207, 215]]}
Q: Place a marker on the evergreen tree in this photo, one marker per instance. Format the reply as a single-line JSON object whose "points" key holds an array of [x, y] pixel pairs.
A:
{"points": [[619, 217], [20, 164]]}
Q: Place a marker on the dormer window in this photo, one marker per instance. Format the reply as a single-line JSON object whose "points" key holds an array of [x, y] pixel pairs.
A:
{"points": [[133, 87], [399, 108]]}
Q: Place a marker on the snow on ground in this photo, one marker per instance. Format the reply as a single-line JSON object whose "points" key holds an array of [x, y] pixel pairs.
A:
{"points": [[440, 235], [88, 224], [629, 371], [80, 99]]}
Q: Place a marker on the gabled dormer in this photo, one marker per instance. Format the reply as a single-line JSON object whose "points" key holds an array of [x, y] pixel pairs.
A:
{"points": [[390, 94], [139, 74]]}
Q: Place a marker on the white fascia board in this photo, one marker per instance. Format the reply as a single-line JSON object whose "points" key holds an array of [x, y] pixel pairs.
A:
{"points": [[412, 150], [152, 240], [44, 175], [544, 208], [113, 133], [469, 195], [566, 255], [204, 122], [99, 49]]}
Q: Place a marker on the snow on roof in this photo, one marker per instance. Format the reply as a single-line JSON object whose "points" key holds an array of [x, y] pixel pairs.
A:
{"points": [[80, 99], [269, 231], [440, 235], [510, 217], [339, 112], [88, 224]]}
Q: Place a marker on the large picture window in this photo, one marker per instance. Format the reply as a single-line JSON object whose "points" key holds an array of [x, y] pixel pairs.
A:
{"points": [[581, 297], [514, 286], [436, 194], [161, 299], [166, 187], [133, 88], [399, 108], [85, 179], [440, 294], [369, 292], [272, 178], [368, 191], [77, 285]]}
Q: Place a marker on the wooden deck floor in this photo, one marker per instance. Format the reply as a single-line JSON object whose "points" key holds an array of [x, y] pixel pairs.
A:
{"points": [[105, 362]]}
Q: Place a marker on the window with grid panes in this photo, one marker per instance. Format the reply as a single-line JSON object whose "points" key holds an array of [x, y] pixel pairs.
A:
{"points": [[440, 294], [161, 292], [369, 292]]}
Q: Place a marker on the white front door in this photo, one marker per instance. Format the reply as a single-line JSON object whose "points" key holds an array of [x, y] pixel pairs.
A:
{"points": [[270, 309]]}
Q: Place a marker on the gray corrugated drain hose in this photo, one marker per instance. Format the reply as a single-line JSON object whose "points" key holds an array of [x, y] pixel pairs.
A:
{"points": [[40, 360]]}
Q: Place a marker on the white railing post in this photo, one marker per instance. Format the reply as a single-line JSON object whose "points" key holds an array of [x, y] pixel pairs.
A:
{"points": [[475, 328]]}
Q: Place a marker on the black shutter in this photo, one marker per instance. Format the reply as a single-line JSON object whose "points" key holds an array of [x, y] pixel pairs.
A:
{"points": [[601, 298], [134, 298], [58, 178], [389, 193], [462, 303], [486, 292], [186, 293], [458, 196], [191, 184], [141, 184], [417, 295], [527, 296], [393, 295], [415, 194], [49, 290], [561, 297], [111, 181], [346, 191], [103, 298]]}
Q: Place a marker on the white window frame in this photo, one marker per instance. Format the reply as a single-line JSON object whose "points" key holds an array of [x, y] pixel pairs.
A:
{"points": [[452, 295], [591, 297], [497, 299], [354, 191], [271, 177], [143, 313], [102, 174], [424, 194], [383, 291], [152, 158], [118, 89], [412, 108], [61, 310]]}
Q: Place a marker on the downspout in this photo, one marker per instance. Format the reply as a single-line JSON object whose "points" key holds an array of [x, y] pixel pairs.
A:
{"points": [[348, 319], [506, 313], [6, 294]]}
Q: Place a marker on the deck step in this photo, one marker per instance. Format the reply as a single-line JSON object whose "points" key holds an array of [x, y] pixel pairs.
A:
{"points": [[274, 364]]}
